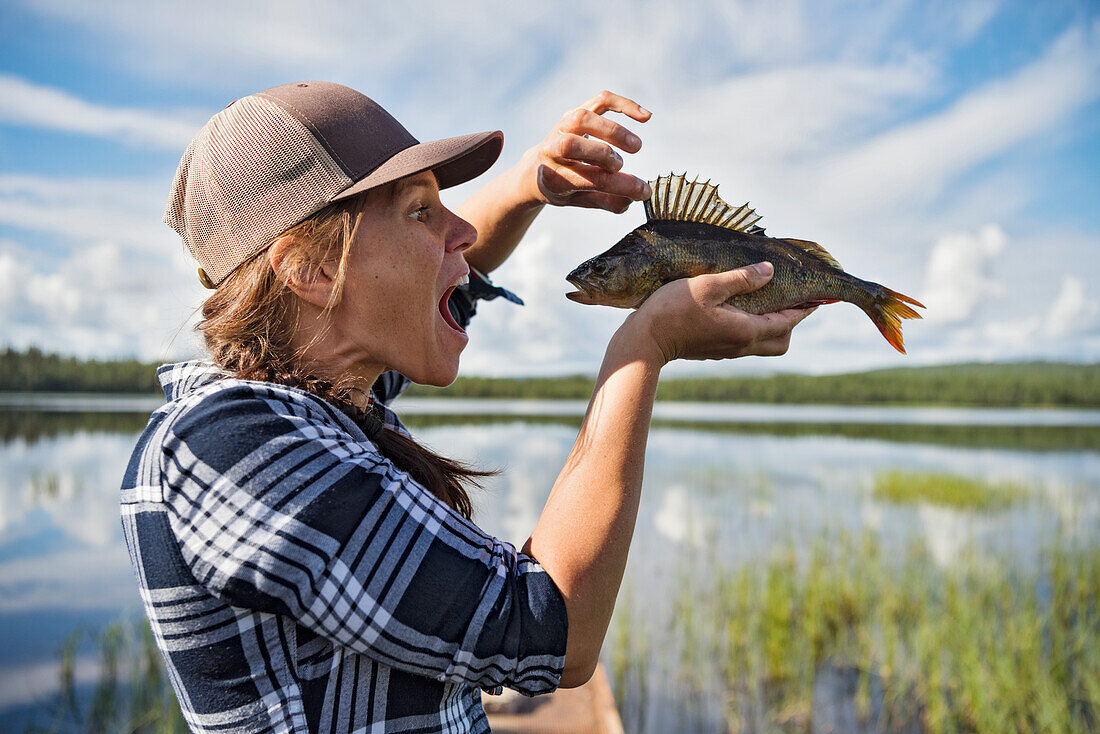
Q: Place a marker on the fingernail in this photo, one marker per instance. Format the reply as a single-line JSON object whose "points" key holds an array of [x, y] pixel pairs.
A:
{"points": [[645, 190], [764, 268], [617, 158], [644, 110], [633, 140]]}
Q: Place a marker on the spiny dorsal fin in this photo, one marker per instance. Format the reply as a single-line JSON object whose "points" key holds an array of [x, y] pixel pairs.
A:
{"points": [[815, 250], [675, 198]]}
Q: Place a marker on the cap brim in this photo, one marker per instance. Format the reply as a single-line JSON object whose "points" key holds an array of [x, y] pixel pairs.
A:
{"points": [[454, 161]]}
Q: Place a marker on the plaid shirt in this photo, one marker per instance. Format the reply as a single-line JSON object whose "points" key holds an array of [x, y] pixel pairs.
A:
{"points": [[296, 581]]}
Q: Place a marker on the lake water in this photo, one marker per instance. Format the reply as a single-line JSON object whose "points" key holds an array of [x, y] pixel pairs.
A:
{"points": [[723, 484]]}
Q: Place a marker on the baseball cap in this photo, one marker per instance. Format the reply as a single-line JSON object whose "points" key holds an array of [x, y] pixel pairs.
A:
{"points": [[271, 159]]}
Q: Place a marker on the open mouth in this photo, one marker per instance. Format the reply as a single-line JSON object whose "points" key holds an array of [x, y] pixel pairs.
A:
{"points": [[445, 310]]}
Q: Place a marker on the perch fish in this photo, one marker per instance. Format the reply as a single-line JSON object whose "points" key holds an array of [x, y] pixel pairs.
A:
{"points": [[689, 231]]}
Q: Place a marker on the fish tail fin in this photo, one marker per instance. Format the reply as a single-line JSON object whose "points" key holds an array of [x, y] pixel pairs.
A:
{"points": [[887, 311]]}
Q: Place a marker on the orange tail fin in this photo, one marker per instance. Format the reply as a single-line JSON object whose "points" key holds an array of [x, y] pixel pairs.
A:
{"points": [[888, 310]]}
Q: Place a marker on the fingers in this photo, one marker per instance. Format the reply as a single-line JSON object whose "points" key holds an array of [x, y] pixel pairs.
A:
{"points": [[582, 121], [697, 322], [720, 286], [771, 332], [579, 180], [607, 101], [778, 325], [579, 163], [571, 147], [564, 184]]}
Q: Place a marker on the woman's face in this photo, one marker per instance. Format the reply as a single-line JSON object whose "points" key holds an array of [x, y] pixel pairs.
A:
{"points": [[405, 261]]}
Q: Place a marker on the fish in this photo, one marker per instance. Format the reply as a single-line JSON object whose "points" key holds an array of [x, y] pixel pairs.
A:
{"points": [[690, 230]]}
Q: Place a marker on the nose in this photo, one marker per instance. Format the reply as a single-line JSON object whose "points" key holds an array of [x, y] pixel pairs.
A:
{"points": [[461, 234]]}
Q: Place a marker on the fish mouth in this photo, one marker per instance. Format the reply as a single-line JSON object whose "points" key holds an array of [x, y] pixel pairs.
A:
{"points": [[580, 295]]}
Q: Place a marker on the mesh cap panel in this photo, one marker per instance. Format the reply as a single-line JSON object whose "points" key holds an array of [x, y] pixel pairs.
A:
{"points": [[250, 174]]}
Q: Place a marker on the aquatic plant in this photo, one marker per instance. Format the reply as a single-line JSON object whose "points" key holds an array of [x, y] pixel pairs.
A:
{"points": [[950, 490], [131, 694], [977, 647]]}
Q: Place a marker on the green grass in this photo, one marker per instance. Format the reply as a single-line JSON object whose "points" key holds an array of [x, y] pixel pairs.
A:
{"points": [[949, 490], [981, 646]]}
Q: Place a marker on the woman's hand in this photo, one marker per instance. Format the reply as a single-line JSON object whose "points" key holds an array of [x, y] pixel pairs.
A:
{"points": [[577, 165], [689, 318]]}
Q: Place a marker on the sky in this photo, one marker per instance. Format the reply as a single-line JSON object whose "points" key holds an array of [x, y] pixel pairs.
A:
{"points": [[948, 150]]}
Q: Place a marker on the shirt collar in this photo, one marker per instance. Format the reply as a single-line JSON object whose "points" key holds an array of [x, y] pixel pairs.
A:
{"points": [[181, 378]]}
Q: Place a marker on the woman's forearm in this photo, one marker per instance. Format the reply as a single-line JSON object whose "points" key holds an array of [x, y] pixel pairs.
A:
{"points": [[584, 533]]}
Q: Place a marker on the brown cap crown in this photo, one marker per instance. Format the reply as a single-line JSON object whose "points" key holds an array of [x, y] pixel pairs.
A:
{"points": [[269, 160]]}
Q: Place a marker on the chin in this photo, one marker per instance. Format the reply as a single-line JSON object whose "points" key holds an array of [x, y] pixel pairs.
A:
{"points": [[438, 375], [437, 381]]}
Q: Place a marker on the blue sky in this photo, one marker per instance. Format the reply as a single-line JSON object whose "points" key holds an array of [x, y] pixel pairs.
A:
{"points": [[948, 150]]}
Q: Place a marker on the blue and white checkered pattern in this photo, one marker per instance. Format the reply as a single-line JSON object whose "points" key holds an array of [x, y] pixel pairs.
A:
{"points": [[296, 581]]}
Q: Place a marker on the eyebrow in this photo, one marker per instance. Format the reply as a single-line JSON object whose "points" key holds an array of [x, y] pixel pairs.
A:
{"points": [[407, 183]]}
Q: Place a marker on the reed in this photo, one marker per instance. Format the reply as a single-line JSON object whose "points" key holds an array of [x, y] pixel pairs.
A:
{"points": [[949, 490], [131, 694], [848, 632]]}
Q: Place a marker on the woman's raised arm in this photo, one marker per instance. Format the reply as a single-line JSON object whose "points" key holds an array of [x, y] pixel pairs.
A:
{"points": [[584, 532]]}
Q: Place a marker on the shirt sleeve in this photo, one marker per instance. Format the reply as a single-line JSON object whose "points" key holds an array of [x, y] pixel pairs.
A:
{"points": [[463, 305], [279, 508]]}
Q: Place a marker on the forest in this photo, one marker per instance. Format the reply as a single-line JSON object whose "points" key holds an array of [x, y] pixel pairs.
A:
{"points": [[1017, 384]]}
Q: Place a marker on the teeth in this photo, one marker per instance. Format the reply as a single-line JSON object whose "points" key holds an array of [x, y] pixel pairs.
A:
{"points": [[462, 280]]}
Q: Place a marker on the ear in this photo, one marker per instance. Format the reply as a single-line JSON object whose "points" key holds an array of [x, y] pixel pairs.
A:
{"points": [[313, 288]]}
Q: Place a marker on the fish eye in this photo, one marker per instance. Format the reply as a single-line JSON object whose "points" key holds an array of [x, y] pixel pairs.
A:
{"points": [[599, 267]]}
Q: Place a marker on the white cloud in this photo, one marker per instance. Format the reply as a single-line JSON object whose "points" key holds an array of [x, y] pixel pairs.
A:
{"points": [[779, 114], [219, 45], [960, 274], [914, 162], [967, 19], [25, 103], [84, 209], [807, 110], [548, 333], [105, 299], [1073, 311], [116, 280], [1070, 317]]}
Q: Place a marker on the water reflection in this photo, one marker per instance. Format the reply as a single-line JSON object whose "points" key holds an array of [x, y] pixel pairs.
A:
{"points": [[715, 495]]}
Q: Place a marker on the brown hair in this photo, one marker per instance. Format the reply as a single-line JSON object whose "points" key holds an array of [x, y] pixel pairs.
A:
{"points": [[249, 322]]}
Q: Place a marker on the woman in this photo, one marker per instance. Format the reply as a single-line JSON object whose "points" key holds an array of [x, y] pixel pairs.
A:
{"points": [[305, 565]]}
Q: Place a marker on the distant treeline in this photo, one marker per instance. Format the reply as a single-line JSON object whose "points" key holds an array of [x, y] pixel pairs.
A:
{"points": [[1003, 385], [35, 371]]}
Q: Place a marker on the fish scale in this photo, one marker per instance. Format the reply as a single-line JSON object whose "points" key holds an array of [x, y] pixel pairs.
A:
{"points": [[690, 231]]}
